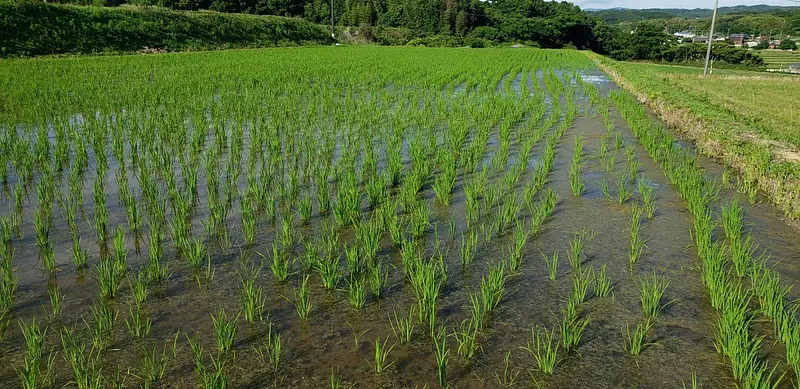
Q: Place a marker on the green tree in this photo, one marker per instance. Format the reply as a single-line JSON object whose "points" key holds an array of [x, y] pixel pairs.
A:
{"points": [[788, 44]]}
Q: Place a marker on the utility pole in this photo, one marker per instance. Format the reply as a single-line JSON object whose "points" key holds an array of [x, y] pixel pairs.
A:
{"points": [[710, 37]]}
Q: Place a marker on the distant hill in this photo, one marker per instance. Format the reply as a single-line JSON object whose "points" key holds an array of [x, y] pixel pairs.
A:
{"points": [[619, 15]]}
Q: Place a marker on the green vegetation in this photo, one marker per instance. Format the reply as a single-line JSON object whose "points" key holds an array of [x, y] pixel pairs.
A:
{"points": [[728, 117], [412, 185], [42, 28], [779, 59]]}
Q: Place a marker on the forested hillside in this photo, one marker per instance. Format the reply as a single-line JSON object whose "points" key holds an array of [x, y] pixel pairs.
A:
{"points": [[546, 24], [754, 20]]}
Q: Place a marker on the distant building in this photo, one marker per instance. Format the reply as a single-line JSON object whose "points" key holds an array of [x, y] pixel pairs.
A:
{"points": [[700, 39], [684, 34], [738, 39]]}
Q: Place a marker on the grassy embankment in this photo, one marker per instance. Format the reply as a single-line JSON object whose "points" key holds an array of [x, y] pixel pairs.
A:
{"points": [[749, 121], [31, 29]]}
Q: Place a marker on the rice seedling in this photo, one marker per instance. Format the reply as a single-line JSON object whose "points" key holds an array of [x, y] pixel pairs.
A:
{"points": [[156, 270], [103, 318], [580, 285], [646, 191], [468, 247], [337, 382], [577, 182], [279, 263], [109, 278], [139, 324], [378, 278], [493, 287], [623, 194], [571, 329], [403, 327], [85, 367], [302, 303], [635, 341], [34, 338], [56, 300], [576, 247], [652, 290], [543, 347], [270, 349], [442, 354], [602, 284], [382, 350], [508, 377], [515, 251], [155, 365], [225, 330], [477, 312], [252, 295], [693, 383], [248, 222], [552, 265], [215, 378], [330, 271], [637, 242], [80, 255], [466, 335], [356, 291]]}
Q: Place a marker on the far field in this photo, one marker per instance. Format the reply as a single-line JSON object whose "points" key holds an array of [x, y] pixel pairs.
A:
{"points": [[779, 59], [378, 217]]}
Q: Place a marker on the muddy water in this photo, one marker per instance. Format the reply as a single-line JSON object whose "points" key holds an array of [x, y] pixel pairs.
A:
{"points": [[338, 337]]}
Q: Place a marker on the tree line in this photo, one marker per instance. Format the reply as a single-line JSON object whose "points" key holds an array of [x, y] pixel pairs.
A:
{"points": [[475, 23]]}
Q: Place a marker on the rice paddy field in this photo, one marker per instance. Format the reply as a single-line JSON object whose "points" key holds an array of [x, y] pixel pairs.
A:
{"points": [[374, 218], [779, 59]]}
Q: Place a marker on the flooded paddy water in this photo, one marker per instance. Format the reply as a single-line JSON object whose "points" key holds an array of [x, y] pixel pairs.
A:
{"points": [[337, 341]]}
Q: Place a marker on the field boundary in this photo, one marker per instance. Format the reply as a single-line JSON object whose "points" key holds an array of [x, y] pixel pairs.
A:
{"points": [[782, 191]]}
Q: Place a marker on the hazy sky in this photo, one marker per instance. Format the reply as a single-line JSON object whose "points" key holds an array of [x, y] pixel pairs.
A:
{"points": [[674, 3]]}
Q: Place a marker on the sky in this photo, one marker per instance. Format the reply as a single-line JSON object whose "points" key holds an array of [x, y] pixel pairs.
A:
{"points": [[639, 4]]}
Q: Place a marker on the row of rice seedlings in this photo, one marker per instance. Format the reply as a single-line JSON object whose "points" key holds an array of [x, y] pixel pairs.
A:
{"points": [[765, 283], [733, 337]]}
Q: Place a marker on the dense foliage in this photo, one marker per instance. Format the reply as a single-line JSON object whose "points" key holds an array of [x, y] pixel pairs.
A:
{"points": [[39, 28], [470, 22], [649, 42]]}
